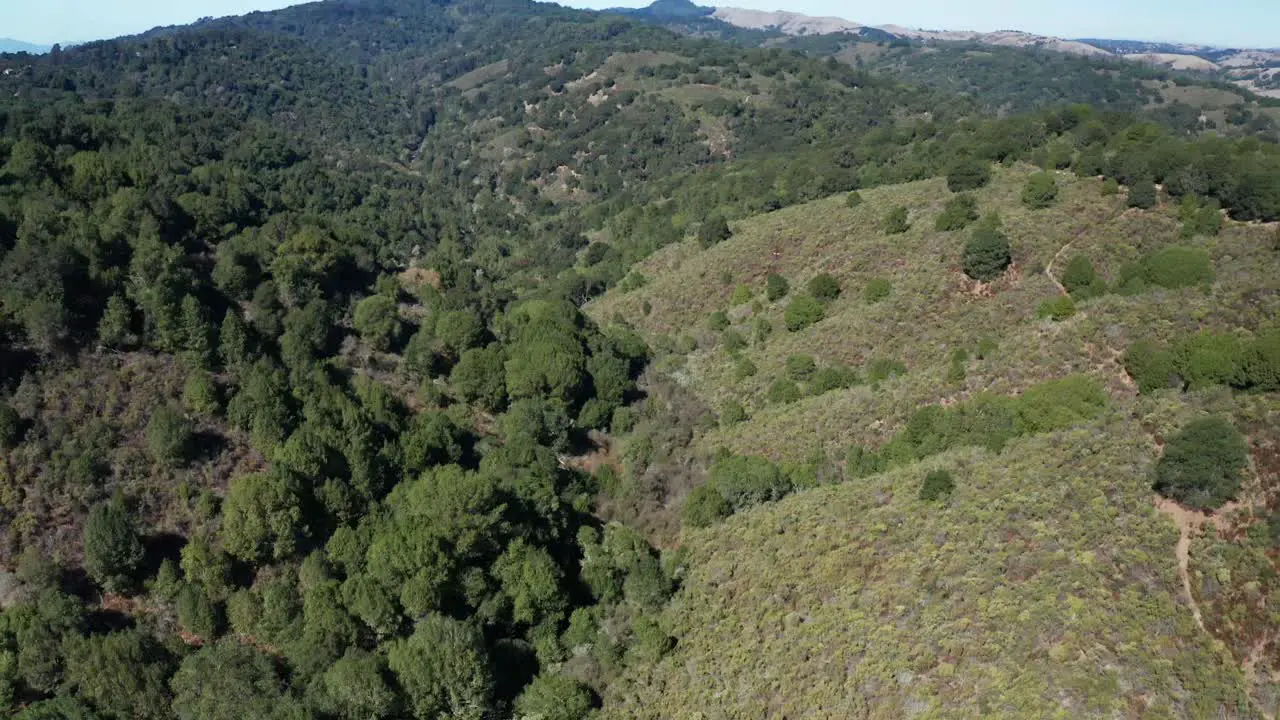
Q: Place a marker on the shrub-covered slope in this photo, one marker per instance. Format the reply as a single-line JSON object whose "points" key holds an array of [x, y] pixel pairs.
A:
{"points": [[1047, 578], [1046, 586]]}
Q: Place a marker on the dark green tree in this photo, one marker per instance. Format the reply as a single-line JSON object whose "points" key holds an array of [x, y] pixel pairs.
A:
{"points": [[169, 436], [1202, 466], [480, 377], [231, 680], [1082, 280], [115, 329], [113, 552], [713, 230], [555, 697], [443, 669], [377, 321], [824, 287], [968, 174], [1040, 192], [356, 688], [987, 254], [1142, 194], [937, 485], [704, 507]]}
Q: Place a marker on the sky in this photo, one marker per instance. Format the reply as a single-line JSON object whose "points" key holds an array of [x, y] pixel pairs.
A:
{"points": [[45, 22], [1238, 23]]}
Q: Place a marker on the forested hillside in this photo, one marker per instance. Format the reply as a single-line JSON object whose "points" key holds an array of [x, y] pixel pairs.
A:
{"points": [[379, 358]]}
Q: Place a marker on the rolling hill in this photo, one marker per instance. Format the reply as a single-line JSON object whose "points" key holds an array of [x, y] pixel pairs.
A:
{"points": [[1247, 68], [9, 45], [487, 358], [1032, 592]]}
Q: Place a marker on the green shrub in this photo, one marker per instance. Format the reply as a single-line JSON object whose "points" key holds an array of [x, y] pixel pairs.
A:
{"points": [[197, 613], [718, 321], [1131, 279], [169, 436], [1177, 266], [1207, 359], [1262, 363], [713, 230], [837, 377], [1059, 404], [1151, 366], [623, 420], [1202, 465], [802, 312], [776, 287], [861, 462], [733, 341], [633, 281], [704, 507], [937, 484], [377, 320], [1199, 219], [1110, 187], [959, 212], [1082, 280], [1040, 192], [732, 413], [987, 348], [1058, 309], [895, 222], [987, 254], [748, 481], [741, 296], [885, 368], [968, 174], [782, 392], [554, 697], [726, 277], [744, 369], [800, 367], [877, 289], [824, 287], [853, 199], [1142, 194], [200, 393]]}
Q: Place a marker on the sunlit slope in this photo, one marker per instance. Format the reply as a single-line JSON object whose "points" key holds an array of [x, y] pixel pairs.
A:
{"points": [[933, 309], [1045, 588]]}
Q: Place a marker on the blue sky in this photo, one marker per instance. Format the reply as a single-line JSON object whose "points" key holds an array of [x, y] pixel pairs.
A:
{"points": [[1254, 23]]}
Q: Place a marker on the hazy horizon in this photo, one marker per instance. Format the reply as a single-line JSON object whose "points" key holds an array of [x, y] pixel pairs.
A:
{"points": [[1227, 23]]}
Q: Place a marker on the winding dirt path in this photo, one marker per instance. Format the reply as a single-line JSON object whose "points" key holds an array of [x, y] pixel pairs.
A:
{"points": [[1189, 524], [1048, 271]]}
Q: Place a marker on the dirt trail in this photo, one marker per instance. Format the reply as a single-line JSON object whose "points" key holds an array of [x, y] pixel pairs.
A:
{"points": [[1189, 524], [1048, 271]]}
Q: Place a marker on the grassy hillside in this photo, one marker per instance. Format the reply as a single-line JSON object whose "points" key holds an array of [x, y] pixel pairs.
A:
{"points": [[932, 310], [1046, 587], [1048, 584]]}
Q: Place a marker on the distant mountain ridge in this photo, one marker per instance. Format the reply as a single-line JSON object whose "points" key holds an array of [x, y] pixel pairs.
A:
{"points": [[9, 45], [1252, 68]]}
